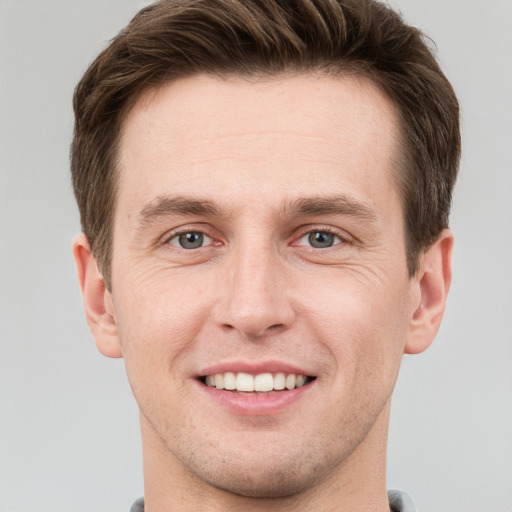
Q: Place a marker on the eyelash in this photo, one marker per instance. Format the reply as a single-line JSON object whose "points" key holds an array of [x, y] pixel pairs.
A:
{"points": [[325, 230], [200, 230], [306, 231]]}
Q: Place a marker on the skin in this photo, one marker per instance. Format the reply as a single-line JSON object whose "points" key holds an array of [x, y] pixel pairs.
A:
{"points": [[257, 291]]}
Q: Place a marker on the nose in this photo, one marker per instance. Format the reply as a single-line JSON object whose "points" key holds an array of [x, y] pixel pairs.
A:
{"points": [[255, 299]]}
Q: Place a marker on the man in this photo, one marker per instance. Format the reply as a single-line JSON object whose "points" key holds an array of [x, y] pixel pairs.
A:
{"points": [[264, 190]]}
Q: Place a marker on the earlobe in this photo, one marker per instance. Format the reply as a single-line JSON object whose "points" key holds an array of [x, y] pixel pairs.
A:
{"points": [[432, 283], [98, 305]]}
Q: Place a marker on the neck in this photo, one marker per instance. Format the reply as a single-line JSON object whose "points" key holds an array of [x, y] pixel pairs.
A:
{"points": [[357, 483]]}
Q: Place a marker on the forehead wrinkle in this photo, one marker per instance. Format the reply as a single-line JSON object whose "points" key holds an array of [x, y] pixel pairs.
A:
{"points": [[340, 204]]}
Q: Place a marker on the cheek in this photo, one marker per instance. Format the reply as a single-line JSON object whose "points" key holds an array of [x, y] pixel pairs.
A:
{"points": [[158, 323], [158, 332], [362, 322]]}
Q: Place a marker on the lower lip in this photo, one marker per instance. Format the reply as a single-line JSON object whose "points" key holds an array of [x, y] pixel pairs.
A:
{"points": [[255, 404]]}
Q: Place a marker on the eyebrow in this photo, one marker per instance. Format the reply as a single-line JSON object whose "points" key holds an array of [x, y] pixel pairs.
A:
{"points": [[163, 206], [340, 204], [333, 205]]}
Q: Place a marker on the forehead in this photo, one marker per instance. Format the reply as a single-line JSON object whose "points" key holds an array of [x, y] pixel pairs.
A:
{"points": [[290, 133]]}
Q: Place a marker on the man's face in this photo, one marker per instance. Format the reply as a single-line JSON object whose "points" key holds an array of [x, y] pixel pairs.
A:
{"points": [[258, 231]]}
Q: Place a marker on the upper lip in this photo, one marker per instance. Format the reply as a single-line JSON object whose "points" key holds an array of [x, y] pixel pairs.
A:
{"points": [[253, 368]]}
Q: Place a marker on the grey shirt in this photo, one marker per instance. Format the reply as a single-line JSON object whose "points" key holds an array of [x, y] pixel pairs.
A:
{"points": [[398, 501]]}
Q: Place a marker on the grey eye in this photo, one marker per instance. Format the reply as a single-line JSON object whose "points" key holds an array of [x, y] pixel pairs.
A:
{"points": [[191, 240], [321, 239]]}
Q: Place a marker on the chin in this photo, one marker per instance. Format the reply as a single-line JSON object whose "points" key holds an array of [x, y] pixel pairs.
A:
{"points": [[268, 483], [265, 473]]}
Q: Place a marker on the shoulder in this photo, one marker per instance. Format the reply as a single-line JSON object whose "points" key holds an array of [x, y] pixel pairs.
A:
{"points": [[401, 502], [138, 506]]}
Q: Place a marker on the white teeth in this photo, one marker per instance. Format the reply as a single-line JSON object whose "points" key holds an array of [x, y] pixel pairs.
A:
{"points": [[261, 383], [290, 381], [264, 382], [300, 380], [229, 381], [279, 381], [244, 382], [219, 381]]}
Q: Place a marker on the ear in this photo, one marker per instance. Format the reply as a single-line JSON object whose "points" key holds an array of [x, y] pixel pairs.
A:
{"points": [[98, 304], [431, 283]]}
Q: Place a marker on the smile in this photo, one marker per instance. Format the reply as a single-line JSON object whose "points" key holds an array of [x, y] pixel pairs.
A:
{"points": [[260, 383]]}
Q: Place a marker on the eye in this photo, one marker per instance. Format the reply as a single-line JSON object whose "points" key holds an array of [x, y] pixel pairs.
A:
{"points": [[190, 240], [320, 239]]}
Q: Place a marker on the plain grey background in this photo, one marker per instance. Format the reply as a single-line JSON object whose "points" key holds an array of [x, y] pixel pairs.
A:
{"points": [[69, 439]]}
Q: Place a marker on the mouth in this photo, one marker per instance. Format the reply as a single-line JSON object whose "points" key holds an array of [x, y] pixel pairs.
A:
{"points": [[261, 383]]}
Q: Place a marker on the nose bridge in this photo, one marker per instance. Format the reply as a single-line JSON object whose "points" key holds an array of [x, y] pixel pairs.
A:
{"points": [[255, 300]]}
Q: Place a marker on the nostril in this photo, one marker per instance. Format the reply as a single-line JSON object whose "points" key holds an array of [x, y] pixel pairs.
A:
{"points": [[254, 332], [265, 333]]}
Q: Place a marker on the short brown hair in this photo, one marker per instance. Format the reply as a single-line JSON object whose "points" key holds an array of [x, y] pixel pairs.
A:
{"points": [[174, 39]]}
